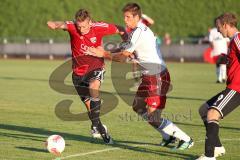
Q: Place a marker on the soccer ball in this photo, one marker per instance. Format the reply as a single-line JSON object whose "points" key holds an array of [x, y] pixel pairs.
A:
{"points": [[55, 144]]}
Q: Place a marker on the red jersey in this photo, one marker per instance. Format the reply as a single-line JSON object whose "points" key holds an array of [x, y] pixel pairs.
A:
{"points": [[144, 21], [233, 66], [82, 63]]}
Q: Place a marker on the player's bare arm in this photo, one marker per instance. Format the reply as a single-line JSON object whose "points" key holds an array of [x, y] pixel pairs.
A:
{"points": [[147, 18], [56, 25], [100, 52]]}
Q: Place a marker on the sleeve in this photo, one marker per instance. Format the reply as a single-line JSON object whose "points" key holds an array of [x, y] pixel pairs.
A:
{"points": [[210, 37], [237, 42], [105, 28], [133, 40], [70, 26], [144, 21]]}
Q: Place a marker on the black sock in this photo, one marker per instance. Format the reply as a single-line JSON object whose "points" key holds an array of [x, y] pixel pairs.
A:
{"points": [[211, 138], [94, 115], [218, 142], [94, 112]]}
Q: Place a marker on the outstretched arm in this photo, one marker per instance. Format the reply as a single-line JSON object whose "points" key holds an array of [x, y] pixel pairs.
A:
{"points": [[147, 18], [124, 35], [56, 25], [100, 52], [122, 32]]}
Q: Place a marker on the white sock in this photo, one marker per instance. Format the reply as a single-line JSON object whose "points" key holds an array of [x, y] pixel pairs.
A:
{"points": [[171, 129], [218, 74], [223, 71], [164, 135]]}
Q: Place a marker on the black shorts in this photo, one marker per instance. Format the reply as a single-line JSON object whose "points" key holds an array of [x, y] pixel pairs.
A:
{"points": [[225, 101], [81, 83]]}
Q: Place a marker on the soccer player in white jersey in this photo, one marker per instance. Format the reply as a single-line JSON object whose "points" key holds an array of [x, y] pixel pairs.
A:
{"points": [[219, 45], [150, 98]]}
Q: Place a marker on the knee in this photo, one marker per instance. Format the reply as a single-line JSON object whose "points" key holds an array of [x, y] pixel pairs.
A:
{"points": [[94, 88], [139, 111], [94, 84], [213, 115], [203, 110]]}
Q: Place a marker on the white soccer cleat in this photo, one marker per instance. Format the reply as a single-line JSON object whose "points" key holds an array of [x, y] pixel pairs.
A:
{"points": [[95, 133], [219, 151], [203, 157]]}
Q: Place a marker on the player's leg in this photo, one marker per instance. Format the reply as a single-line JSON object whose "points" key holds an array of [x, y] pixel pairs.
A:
{"points": [[225, 103], [165, 125], [82, 87], [153, 116], [219, 149], [217, 61], [223, 72], [218, 73], [203, 110], [140, 104], [158, 101], [89, 97], [222, 61], [140, 107], [95, 79]]}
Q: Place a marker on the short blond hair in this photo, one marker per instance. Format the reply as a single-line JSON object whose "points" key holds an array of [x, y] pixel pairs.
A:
{"points": [[227, 18]]}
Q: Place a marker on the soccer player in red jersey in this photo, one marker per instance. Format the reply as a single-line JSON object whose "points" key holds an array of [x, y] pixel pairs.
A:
{"points": [[88, 71], [226, 101]]}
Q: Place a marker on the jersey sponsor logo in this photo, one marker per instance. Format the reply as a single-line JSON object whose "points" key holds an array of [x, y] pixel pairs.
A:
{"points": [[84, 48], [154, 103], [93, 39]]}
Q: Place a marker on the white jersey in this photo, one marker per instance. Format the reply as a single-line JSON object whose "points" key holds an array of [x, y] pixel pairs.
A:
{"points": [[219, 42], [144, 43]]}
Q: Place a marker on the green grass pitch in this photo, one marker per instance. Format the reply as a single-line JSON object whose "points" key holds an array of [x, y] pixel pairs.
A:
{"points": [[27, 116]]}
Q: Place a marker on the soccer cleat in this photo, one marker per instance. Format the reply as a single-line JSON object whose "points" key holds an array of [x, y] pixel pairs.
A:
{"points": [[219, 151], [218, 81], [203, 157], [107, 138], [184, 145], [95, 133], [165, 142]]}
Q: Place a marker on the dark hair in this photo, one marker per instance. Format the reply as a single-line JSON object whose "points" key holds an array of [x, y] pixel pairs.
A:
{"points": [[134, 8], [82, 15], [227, 18]]}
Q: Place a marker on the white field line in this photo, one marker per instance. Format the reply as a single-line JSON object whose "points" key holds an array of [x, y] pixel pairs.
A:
{"points": [[118, 148], [97, 151]]}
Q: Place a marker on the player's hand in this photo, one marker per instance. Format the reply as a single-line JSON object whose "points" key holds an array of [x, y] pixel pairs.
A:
{"points": [[97, 52], [51, 25]]}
